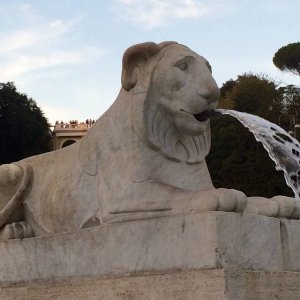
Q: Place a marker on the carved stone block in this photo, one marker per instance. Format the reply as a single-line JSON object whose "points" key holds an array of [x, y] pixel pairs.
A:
{"points": [[290, 234], [209, 240]]}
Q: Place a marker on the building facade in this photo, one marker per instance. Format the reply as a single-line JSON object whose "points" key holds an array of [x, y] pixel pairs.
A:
{"points": [[65, 134]]}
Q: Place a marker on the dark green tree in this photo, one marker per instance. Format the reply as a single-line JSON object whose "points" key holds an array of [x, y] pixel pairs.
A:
{"points": [[291, 95], [257, 95], [291, 111], [24, 130], [236, 159], [287, 58]]}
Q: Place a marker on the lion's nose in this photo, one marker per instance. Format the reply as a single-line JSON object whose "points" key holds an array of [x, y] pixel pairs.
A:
{"points": [[210, 92]]}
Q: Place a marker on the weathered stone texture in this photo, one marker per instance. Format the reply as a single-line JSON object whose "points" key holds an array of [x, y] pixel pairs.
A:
{"points": [[290, 233], [192, 285], [209, 240]]}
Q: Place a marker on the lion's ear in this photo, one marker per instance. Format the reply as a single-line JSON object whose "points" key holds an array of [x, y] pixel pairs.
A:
{"points": [[131, 58], [135, 55]]}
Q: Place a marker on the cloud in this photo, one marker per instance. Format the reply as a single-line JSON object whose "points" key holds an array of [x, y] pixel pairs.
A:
{"points": [[25, 11], [38, 35], [154, 13], [24, 63], [40, 44]]}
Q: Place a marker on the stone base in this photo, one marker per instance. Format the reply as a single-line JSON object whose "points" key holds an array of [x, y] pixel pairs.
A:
{"points": [[192, 285], [213, 255]]}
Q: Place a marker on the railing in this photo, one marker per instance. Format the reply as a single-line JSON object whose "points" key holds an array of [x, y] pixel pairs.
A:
{"points": [[72, 126]]}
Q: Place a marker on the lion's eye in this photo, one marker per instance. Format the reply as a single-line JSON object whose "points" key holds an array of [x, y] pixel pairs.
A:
{"points": [[182, 65]]}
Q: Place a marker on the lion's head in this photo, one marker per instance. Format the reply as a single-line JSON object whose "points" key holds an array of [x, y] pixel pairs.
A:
{"points": [[177, 92]]}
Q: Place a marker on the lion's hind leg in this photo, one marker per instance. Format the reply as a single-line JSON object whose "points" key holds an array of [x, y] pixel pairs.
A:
{"points": [[14, 183]]}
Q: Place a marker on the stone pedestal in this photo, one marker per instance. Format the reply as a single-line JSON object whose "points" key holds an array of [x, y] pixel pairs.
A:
{"points": [[181, 285], [213, 255]]}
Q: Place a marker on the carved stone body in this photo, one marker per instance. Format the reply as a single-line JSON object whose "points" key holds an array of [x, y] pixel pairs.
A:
{"points": [[144, 157]]}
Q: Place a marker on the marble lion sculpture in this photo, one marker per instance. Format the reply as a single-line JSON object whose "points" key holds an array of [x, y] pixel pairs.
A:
{"points": [[143, 158]]}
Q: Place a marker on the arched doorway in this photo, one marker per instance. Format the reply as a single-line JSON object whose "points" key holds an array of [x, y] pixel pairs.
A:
{"points": [[67, 143]]}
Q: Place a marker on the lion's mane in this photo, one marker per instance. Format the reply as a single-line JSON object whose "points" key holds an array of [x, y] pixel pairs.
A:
{"points": [[158, 124], [166, 138]]}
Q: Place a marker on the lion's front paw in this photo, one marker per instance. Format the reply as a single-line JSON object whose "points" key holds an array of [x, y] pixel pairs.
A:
{"points": [[210, 200], [287, 207], [17, 230], [231, 200], [278, 206]]}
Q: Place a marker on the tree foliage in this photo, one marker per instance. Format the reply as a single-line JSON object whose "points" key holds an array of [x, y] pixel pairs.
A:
{"points": [[236, 159], [291, 95], [287, 58], [24, 131], [291, 111]]}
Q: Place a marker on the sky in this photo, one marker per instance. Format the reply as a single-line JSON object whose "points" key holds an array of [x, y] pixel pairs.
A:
{"points": [[67, 55]]}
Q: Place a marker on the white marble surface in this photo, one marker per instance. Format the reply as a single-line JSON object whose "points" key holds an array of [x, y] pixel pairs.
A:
{"points": [[144, 157], [209, 240]]}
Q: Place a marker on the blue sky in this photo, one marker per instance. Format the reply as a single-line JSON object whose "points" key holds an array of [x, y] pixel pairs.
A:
{"points": [[67, 54]]}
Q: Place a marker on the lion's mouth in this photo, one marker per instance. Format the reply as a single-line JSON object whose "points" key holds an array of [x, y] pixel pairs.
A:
{"points": [[203, 116]]}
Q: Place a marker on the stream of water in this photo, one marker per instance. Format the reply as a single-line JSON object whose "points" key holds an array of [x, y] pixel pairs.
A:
{"points": [[283, 149]]}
